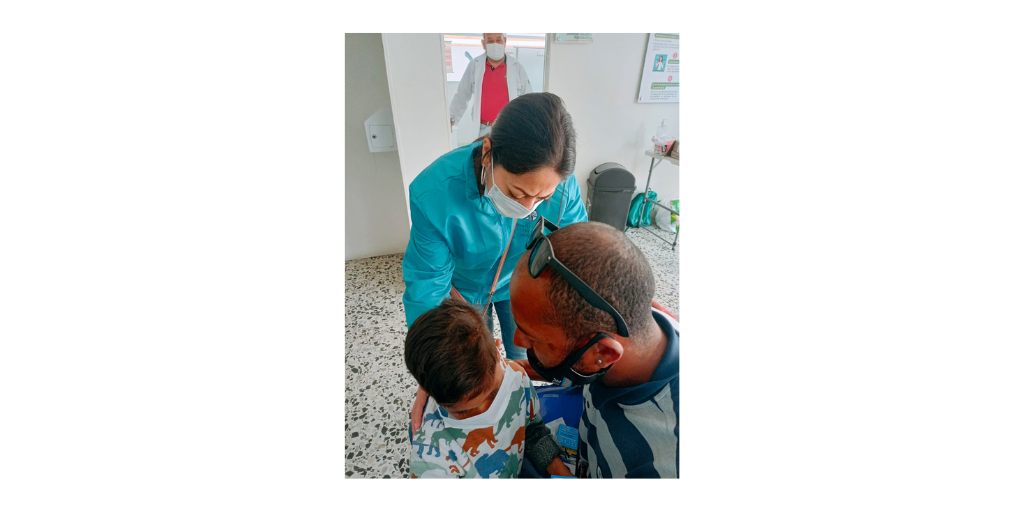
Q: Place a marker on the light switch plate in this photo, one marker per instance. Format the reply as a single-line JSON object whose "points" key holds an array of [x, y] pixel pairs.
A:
{"points": [[380, 131], [382, 137]]}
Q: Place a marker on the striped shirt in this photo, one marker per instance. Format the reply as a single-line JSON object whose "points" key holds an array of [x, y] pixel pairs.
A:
{"points": [[634, 432]]}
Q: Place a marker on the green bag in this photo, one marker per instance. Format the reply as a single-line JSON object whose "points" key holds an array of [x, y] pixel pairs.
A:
{"points": [[636, 217]]}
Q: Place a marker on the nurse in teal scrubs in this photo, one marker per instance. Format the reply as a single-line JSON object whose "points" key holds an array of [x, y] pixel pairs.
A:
{"points": [[474, 208]]}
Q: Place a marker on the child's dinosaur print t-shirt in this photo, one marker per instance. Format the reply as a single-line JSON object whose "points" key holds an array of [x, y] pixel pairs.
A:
{"points": [[488, 445]]}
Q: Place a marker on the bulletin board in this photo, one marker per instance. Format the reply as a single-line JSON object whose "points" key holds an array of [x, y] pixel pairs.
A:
{"points": [[659, 82]]}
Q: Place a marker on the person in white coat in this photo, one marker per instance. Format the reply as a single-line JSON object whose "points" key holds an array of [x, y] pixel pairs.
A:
{"points": [[492, 79]]}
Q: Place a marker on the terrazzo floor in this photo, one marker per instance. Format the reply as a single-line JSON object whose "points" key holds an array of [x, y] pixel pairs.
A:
{"points": [[379, 390]]}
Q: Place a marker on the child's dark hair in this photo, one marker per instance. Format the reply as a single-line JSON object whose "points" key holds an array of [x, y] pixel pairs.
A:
{"points": [[450, 351]]}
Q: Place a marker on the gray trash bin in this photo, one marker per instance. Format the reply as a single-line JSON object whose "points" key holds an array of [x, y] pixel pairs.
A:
{"points": [[610, 187]]}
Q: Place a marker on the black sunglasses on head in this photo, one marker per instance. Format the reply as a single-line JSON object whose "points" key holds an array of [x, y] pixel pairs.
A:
{"points": [[544, 256]]}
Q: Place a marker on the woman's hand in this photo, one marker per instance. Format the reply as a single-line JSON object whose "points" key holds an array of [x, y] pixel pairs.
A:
{"points": [[456, 295], [663, 309], [525, 363], [418, 406]]}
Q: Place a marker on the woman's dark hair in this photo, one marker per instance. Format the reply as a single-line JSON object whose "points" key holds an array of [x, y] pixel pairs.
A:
{"points": [[450, 352], [532, 131]]}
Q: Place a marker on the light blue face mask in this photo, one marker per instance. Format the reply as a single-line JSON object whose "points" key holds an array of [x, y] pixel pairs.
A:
{"points": [[505, 205]]}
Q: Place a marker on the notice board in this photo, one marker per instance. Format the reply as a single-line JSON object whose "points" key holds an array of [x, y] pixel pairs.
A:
{"points": [[659, 82]]}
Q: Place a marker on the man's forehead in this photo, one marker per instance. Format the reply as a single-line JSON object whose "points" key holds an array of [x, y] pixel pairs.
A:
{"points": [[521, 279], [529, 292], [533, 308]]}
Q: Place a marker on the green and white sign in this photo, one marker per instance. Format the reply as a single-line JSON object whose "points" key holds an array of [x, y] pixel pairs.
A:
{"points": [[578, 38], [659, 82]]}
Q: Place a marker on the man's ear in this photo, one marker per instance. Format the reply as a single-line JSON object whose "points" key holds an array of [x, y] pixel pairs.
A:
{"points": [[607, 351]]}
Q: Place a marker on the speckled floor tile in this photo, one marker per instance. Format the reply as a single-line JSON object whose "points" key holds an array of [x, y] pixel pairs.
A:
{"points": [[379, 390], [664, 260]]}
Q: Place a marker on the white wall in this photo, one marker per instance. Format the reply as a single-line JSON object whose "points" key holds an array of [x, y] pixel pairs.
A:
{"points": [[376, 222], [416, 80], [599, 84]]}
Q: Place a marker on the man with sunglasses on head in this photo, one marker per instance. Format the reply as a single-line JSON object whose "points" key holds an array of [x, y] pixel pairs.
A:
{"points": [[582, 297]]}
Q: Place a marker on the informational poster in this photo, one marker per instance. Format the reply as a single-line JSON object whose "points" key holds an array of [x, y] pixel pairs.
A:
{"points": [[659, 82], [579, 38], [448, 57]]}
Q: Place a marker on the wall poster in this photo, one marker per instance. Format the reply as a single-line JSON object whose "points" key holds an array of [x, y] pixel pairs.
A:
{"points": [[659, 82]]}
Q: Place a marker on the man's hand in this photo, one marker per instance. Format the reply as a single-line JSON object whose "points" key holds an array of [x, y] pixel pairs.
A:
{"points": [[659, 307], [418, 406], [525, 363], [557, 467]]}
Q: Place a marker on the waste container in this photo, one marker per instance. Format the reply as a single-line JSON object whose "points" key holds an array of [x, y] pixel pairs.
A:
{"points": [[609, 189]]}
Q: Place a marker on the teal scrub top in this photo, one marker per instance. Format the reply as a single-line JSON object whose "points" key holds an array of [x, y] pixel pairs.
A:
{"points": [[457, 238]]}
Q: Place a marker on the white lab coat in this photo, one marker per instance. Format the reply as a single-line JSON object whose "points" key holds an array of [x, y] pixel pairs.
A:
{"points": [[472, 81]]}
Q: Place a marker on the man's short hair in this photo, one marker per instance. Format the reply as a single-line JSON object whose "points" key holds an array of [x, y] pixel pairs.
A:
{"points": [[608, 261], [450, 352]]}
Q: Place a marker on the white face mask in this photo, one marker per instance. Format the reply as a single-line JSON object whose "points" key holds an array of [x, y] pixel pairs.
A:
{"points": [[506, 206], [495, 51]]}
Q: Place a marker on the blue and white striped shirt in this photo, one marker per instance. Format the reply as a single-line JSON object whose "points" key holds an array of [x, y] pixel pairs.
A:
{"points": [[634, 432]]}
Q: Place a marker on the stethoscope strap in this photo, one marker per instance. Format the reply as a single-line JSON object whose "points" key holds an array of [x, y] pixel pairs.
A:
{"points": [[561, 202], [501, 263]]}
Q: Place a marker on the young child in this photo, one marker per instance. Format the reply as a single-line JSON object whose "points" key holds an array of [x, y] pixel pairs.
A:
{"points": [[481, 419]]}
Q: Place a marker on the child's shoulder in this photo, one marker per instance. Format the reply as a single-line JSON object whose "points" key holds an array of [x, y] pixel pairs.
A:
{"points": [[519, 369], [433, 427]]}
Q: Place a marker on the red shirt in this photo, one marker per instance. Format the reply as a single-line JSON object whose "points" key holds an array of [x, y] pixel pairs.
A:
{"points": [[493, 92]]}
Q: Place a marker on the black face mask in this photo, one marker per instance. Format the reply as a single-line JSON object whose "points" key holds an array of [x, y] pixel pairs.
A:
{"points": [[564, 370]]}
